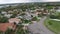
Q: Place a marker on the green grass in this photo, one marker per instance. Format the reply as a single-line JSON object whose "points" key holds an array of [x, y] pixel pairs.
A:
{"points": [[53, 25]]}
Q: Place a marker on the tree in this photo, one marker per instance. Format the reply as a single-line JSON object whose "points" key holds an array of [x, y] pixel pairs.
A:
{"points": [[22, 31], [8, 31], [39, 15], [13, 16], [34, 18], [55, 16], [22, 14], [26, 21], [49, 7], [3, 20]]}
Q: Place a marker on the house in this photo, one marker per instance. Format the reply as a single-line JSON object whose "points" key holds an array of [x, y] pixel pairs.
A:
{"points": [[10, 12], [5, 26], [3, 12], [27, 16], [58, 10], [8, 15], [42, 11], [19, 17], [45, 11], [14, 20], [15, 10], [36, 12], [39, 11], [25, 26], [33, 13]]}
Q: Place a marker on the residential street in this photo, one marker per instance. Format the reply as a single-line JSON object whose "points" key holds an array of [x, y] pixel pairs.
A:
{"points": [[39, 28]]}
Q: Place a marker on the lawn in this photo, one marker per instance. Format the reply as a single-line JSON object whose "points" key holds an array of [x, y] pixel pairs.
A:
{"points": [[53, 25]]}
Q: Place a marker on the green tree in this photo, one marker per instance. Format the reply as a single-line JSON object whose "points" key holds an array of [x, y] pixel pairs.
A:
{"points": [[26, 21], [34, 19], [8, 31], [3, 19], [1, 32]]}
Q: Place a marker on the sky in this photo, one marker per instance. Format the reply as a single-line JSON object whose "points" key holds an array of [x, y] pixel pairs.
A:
{"points": [[25, 1]]}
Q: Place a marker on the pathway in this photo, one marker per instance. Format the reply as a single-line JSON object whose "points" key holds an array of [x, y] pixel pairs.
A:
{"points": [[39, 28]]}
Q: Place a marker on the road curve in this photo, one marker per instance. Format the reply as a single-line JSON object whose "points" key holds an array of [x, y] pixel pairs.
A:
{"points": [[39, 27]]}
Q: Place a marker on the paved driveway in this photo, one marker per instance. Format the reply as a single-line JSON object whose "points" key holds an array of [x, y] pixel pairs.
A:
{"points": [[39, 27]]}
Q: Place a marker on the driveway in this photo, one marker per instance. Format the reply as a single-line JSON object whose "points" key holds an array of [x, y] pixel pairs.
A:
{"points": [[39, 27]]}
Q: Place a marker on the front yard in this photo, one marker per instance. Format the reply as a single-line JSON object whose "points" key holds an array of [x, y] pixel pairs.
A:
{"points": [[53, 25]]}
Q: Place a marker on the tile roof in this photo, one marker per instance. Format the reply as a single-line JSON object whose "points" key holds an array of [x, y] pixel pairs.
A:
{"points": [[4, 26], [16, 20]]}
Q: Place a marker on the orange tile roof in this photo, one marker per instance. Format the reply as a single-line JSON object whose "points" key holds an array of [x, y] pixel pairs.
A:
{"points": [[4, 26]]}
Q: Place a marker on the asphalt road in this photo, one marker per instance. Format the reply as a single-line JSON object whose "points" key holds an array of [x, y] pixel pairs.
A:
{"points": [[39, 27]]}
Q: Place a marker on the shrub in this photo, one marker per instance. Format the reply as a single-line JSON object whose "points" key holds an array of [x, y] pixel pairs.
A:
{"points": [[34, 18], [50, 23], [26, 21], [53, 16]]}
